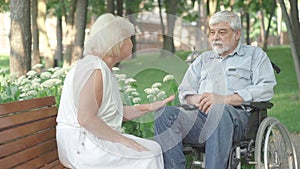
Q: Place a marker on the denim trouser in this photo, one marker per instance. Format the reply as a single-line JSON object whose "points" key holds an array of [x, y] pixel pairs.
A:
{"points": [[174, 125]]}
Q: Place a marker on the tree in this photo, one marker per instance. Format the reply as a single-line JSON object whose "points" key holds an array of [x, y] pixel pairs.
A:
{"points": [[20, 37], [80, 23], [69, 8], [291, 19], [171, 8], [44, 39], [35, 59]]}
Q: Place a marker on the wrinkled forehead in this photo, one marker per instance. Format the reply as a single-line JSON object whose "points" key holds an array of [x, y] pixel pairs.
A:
{"points": [[219, 26]]}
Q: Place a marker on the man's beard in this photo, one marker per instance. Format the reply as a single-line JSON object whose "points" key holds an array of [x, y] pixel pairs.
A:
{"points": [[217, 49], [220, 50]]}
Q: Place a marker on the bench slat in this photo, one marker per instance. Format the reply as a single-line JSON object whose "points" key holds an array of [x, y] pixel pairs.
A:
{"points": [[54, 165], [41, 161], [18, 106], [26, 142], [21, 131], [27, 155], [26, 117]]}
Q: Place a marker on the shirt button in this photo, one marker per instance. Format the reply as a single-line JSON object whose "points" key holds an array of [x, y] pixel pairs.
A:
{"points": [[78, 152], [82, 143]]}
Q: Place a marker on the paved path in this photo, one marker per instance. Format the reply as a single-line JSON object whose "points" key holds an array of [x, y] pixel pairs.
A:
{"points": [[296, 141]]}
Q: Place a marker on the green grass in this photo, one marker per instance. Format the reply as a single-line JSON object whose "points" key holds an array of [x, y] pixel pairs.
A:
{"points": [[286, 99], [4, 61]]}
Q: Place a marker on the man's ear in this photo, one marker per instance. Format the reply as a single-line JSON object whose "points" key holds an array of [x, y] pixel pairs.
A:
{"points": [[238, 35]]}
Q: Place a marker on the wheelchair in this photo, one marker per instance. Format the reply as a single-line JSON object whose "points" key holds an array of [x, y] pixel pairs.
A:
{"points": [[267, 144]]}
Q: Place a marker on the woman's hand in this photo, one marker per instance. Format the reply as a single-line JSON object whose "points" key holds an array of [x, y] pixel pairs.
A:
{"points": [[132, 144], [158, 104]]}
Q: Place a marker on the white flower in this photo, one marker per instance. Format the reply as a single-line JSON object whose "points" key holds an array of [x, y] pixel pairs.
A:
{"points": [[54, 69], [37, 66], [147, 90], [31, 73], [51, 82], [151, 98], [31, 93], [168, 77], [136, 100], [115, 69], [24, 81], [135, 93], [36, 80], [154, 91], [35, 85], [3, 71], [121, 76], [45, 75], [130, 80], [58, 73], [161, 94], [130, 90], [156, 85]]}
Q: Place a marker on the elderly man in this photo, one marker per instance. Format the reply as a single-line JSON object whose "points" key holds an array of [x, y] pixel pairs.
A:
{"points": [[218, 82]]}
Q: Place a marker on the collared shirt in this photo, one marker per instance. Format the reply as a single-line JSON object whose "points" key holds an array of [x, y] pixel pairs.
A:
{"points": [[247, 72]]}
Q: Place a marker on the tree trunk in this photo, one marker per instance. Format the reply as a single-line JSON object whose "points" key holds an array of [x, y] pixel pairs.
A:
{"points": [[80, 23], [20, 37], [59, 45], [266, 39], [171, 8], [293, 33], [120, 7], [69, 12], [110, 6], [35, 35], [45, 45]]}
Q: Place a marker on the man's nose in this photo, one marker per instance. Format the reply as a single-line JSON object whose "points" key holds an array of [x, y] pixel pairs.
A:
{"points": [[215, 36]]}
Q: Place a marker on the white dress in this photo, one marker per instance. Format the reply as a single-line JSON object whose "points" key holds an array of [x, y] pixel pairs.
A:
{"points": [[80, 149]]}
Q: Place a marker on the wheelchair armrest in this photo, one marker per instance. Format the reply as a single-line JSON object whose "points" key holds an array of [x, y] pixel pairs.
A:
{"points": [[259, 105]]}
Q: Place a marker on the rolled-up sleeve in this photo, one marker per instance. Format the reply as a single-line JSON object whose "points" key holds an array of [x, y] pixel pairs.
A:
{"points": [[190, 83]]}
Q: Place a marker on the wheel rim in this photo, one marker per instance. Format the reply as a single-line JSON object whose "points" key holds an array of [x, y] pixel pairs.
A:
{"points": [[274, 142]]}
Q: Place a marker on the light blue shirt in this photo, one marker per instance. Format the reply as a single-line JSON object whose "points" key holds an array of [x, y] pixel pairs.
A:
{"points": [[247, 72]]}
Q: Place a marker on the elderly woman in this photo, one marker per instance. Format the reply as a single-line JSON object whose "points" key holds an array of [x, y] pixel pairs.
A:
{"points": [[91, 111]]}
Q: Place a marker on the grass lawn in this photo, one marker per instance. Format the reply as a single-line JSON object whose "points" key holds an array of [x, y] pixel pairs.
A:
{"points": [[146, 69], [4, 61]]}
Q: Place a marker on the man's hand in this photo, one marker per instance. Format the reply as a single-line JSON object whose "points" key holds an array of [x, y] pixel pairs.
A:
{"points": [[205, 101], [208, 99]]}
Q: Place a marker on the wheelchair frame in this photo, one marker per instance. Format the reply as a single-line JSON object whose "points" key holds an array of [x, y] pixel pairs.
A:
{"points": [[260, 147]]}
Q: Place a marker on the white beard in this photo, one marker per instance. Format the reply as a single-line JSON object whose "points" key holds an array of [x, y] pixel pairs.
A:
{"points": [[221, 50], [217, 49]]}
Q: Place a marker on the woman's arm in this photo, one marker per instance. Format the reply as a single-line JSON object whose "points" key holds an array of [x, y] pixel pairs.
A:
{"points": [[132, 112], [90, 100]]}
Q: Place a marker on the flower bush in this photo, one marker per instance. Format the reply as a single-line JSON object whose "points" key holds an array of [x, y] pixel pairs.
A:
{"points": [[39, 83], [36, 83]]}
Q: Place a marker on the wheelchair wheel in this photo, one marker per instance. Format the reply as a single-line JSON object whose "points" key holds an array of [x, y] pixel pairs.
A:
{"points": [[274, 148]]}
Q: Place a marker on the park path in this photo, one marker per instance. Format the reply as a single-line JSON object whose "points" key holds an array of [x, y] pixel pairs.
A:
{"points": [[296, 141]]}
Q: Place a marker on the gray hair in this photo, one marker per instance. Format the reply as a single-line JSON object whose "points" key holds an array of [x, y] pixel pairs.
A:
{"points": [[229, 17], [107, 35]]}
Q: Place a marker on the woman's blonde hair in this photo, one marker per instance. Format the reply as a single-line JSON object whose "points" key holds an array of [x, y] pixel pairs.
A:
{"points": [[107, 35]]}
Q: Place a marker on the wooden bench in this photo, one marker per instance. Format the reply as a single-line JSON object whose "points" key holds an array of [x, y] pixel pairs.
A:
{"points": [[27, 134]]}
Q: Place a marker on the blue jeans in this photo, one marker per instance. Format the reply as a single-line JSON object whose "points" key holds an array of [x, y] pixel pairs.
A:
{"points": [[174, 125]]}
